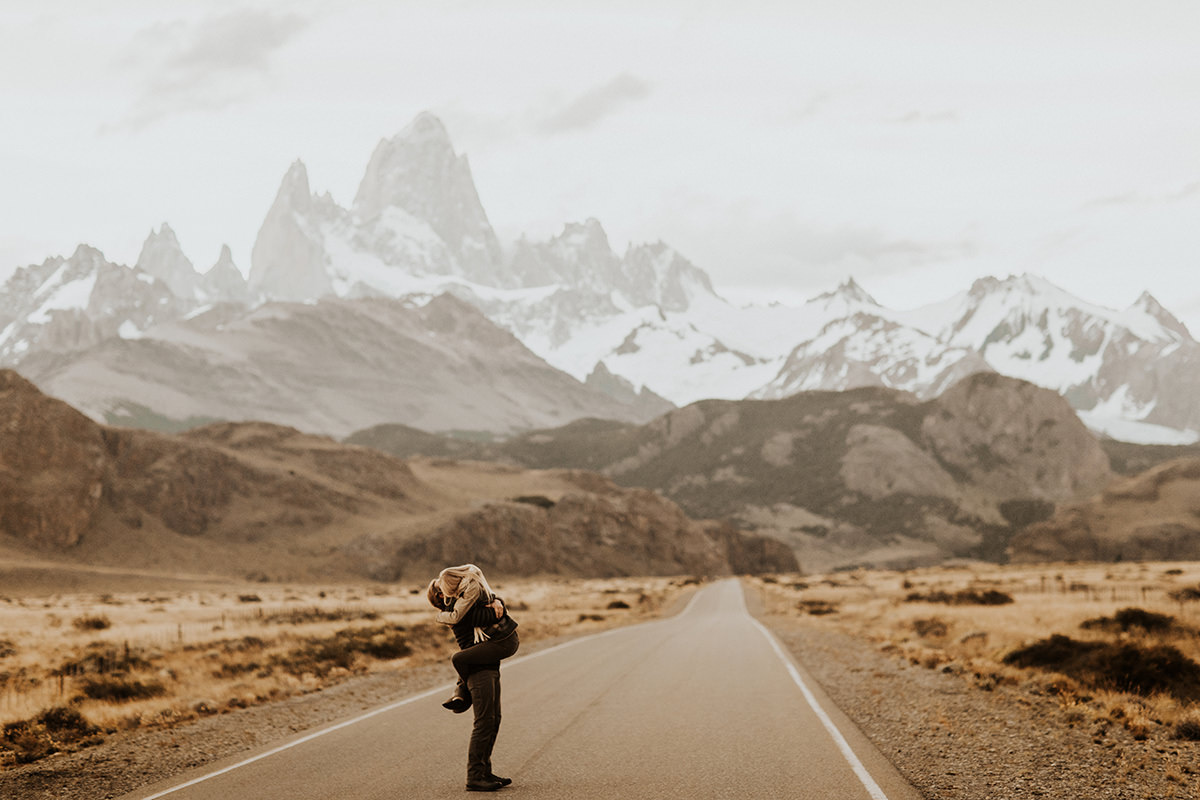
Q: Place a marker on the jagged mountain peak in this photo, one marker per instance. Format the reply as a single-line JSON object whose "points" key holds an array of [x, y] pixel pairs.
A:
{"points": [[417, 172], [656, 273], [1025, 284], [86, 255], [225, 258], [224, 282], [425, 127], [163, 257], [588, 232], [849, 291], [1149, 305], [294, 191]]}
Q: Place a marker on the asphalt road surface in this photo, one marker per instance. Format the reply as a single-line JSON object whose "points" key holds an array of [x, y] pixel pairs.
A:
{"points": [[705, 704]]}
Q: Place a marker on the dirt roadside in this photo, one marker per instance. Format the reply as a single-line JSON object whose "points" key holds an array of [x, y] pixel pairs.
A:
{"points": [[954, 741]]}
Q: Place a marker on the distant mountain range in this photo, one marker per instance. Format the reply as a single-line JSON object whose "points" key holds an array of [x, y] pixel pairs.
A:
{"points": [[630, 334]]}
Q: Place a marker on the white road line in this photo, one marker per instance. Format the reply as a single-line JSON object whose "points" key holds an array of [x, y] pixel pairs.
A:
{"points": [[301, 740], [847, 752], [383, 709]]}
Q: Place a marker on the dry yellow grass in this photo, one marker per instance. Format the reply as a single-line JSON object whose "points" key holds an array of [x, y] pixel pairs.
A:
{"points": [[212, 650], [973, 640]]}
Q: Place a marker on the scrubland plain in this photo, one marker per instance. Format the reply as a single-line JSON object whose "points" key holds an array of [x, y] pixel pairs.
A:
{"points": [[1116, 644], [77, 668]]}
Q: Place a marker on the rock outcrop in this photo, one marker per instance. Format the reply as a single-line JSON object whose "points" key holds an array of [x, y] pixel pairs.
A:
{"points": [[1153, 516], [601, 530], [53, 466]]}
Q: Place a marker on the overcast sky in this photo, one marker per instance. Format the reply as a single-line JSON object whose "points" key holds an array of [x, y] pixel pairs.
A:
{"points": [[782, 147]]}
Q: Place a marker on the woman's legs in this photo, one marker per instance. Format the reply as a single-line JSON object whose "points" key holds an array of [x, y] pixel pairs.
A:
{"points": [[483, 653]]}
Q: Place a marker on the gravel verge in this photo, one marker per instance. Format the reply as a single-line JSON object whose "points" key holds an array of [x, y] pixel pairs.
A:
{"points": [[954, 741]]}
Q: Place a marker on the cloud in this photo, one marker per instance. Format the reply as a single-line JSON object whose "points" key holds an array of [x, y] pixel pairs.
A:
{"points": [[1132, 198], [595, 104], [868, 250], [207, 65], [915, 117]]}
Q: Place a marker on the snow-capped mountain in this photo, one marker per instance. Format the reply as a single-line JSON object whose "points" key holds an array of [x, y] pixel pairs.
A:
{"points": [[66, 304], [224, 282], [418, 174], [1138, 364], [163, 258], [643, 320], [416, 215]]}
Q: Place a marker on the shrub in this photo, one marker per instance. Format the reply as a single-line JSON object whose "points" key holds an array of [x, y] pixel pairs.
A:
{"points": [[535, 500], [1129, 618], [1188, 729], [51, 731], [95, 622], [1186, 594], [963, 597], [7, 648], [66, 723], [618, 604], [300, 616], [817, 607], [932, 628], [102, 659], [120, 689], [1119, 666], [319, 655]]}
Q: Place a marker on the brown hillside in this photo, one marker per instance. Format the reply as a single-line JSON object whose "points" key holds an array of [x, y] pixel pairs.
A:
{"points": [[1151, 516], [264, 501], [52, 466], [868, 476]]}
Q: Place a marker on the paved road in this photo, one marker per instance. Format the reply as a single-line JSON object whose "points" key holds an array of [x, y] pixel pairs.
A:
{"points": [[702, 705]]}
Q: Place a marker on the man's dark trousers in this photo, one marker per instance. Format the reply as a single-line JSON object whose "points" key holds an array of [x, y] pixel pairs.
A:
{"points": [[484, 686]]}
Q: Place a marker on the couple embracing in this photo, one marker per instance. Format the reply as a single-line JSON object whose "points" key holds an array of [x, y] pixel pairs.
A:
{"points": [[486, 634]]}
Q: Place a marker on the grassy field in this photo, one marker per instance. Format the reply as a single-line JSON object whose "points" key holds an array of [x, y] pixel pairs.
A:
{"points": [[75, 668], [1117, 644]]}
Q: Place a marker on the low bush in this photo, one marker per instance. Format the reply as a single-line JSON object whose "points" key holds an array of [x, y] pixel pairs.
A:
{"points": [[930, 628], [1117, 666], [1185, 595], [51, 731], [963, 597], [102, 659], [319, 655], [1128, 619], [1188, 729], [618, 604], [119, 689], [300, 616], [817, 608], [233, 669], [92, 622]]}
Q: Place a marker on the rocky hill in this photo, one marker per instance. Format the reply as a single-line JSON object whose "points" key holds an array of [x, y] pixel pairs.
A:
{"points": [[329, 367], [1153, 516], [266, 501], [869, 476]]}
